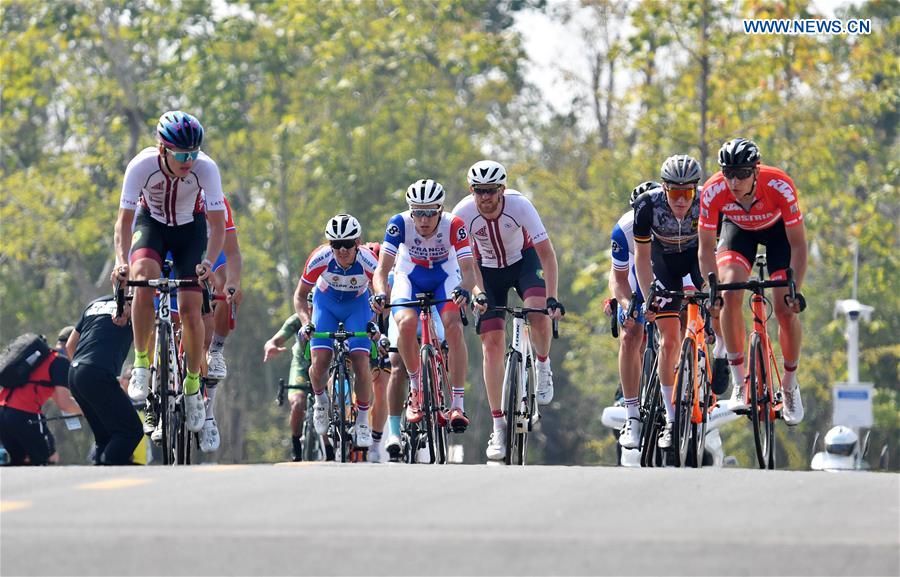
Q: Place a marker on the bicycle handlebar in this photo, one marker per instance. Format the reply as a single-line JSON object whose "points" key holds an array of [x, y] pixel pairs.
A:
{"points": [[522, 312], [428, 302], [164, 284], [754, 285]]}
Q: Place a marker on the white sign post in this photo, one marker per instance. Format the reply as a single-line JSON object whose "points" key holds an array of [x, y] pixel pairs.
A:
{"points": [[852, 404]]}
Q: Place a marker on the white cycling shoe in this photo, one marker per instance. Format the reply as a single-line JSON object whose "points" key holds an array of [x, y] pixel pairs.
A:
{"points": [[209, 436], [215, 365], [496, 449], [194, 412], [139, 385], [363, 435], [631, 434], [545, 383]]}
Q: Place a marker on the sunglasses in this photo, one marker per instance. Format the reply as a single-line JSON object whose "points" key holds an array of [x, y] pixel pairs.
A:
{"points": [[738, 173], [675, 193], [184, 156], [424, 212], [338, 244], [486, 190]]}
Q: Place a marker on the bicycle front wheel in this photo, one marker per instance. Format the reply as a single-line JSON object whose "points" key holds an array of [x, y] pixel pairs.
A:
{"points": [[429, 418], [511, 389], [698, 433], [441, 387], [339, 436], [761, 405], [651, 412], [684, 404]]}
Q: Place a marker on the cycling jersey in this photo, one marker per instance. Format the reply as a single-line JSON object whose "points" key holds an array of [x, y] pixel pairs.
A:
{"points": [[413, 250], [339, 284], [499, 242], [775, 199], [170, 200], [655, 222]]}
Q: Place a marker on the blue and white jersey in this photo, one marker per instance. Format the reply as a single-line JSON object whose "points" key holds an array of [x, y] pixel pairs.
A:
{"points": [[622, 247], [323, 271], [412, 250]]}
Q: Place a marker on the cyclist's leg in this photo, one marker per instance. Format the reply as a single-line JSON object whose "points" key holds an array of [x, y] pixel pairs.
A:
{"points": [[217, 327], [147, 251], [407, 322], [188, 243], [668, 272], [734, 257], [529, 283], [631, 348], [396, 393]]}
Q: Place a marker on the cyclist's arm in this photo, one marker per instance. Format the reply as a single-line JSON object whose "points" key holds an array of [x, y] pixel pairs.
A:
{"points": [[545, 252], [706, 239], [216, 241], [122, 235], [796, 236], [642, 267], [471, 276], [234, 264], [72, 343], [619, 287], [300, 303], [380, 278]]}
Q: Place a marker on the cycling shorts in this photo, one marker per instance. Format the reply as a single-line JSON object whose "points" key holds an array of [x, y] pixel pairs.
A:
{"points": [[187, 243], [739, 245], [526, 276], [394, 330], [669, 270], [441, 280], [354, 313]]}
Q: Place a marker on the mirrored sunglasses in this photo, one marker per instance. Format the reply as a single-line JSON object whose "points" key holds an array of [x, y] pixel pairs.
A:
{"points": [[675, 193], [184, 156], [424, 212], [486, 190]]}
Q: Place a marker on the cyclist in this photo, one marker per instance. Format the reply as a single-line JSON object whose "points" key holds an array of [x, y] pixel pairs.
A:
{"points": [[759, 205], [341, 272], [299, 377], [665, 250], [429, 252], [167, 181], [226, 276], [513, 250]]}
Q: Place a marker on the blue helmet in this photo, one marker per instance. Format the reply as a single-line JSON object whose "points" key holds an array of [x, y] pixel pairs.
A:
{"points": [[177, 129]]}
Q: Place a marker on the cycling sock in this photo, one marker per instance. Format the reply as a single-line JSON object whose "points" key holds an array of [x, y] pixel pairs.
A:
{"points": [[141, 360], [499, 421], [376, 436], [321, 398], [790, 375], [667, 399], [413, 380], [394, 424], [210, 400], [632, 407], [542, 359], [362, 416], [458, 398], [736, 366], [218, 343], [192, 383], [719, 351]]}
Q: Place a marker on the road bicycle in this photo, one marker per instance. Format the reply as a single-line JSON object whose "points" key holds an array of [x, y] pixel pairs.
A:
{"points": [[520, 383], [693, 396], [760, 388], [340, 390], [166, 399], [431, 433]]}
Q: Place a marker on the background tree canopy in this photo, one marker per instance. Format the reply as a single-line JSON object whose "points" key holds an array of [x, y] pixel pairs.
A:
{"points": [[317, 107]]}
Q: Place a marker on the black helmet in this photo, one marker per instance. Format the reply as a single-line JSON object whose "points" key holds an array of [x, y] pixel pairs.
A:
{"points": [[642, 188], [739, 152]]}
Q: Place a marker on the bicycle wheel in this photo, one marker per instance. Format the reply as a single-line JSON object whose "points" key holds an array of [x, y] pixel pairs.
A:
{"points": [[442, 385], [529, 407], [651, 429], [429, 418], [163, 391], [698, 432], [311, 448], [511, 390], [760, 404], [684, 404]]}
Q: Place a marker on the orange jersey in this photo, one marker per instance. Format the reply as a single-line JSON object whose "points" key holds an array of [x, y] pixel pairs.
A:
{"points": [[775, 199]]}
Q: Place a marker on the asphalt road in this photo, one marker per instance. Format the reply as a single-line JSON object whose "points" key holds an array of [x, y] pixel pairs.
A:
{"points": [[370, 519]]}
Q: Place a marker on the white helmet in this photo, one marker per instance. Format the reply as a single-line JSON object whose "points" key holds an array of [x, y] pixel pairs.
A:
{"points": [[343, 227], [842, 441], [486, 172], [680, 169], [425, 191]]}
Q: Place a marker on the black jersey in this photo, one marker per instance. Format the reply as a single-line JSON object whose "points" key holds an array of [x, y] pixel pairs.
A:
{"points": [[102, 343], [654, 221]]}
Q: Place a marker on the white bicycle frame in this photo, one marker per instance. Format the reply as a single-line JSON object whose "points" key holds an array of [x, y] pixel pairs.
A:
{"points": [[521, 343], [164, 317]]}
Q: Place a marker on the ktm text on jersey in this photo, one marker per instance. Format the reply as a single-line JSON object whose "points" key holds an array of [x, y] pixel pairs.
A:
{"points": [[775, 199]]}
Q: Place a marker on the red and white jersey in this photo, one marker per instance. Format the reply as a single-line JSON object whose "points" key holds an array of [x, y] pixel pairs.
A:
{"points": [[413, 250], [775, 199], [499, 242], [323, 271], [229, 217], [171, 201]]}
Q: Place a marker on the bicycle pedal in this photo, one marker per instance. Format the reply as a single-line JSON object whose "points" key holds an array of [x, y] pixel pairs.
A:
{"points": [[744, 412]]}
